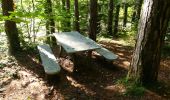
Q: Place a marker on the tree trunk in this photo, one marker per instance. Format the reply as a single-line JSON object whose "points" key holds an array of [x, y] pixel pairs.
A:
{"points": [[125, 14], [68, 5], [110, 17], [137, 10], [76, 14], [50, 24], [116, 25], [63, 21], [152, 28], [68, 15], [63, 4], [10, 27], [93, 19], [99, 18]]}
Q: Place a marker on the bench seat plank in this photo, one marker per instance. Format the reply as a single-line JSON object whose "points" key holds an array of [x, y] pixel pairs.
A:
{"points": [[106, 54], [48, 59]]}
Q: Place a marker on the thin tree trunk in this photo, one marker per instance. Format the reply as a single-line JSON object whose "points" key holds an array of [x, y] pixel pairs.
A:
{"points": [[33, 22], [68, 5], [68, 15], [63, 4], [116, 23], [137, 10], [50, 24], [99, 18], [125, 14], [110, 17], [93, 19], [10, 27], [76, 14], [27, 26], [63, 22], [152, 28]]}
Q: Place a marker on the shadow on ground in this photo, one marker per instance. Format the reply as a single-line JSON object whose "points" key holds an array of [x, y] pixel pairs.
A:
{"points": [[94, 79]]}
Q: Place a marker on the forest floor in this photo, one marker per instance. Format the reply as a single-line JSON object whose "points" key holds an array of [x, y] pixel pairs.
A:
{"points": [[23, 78]]}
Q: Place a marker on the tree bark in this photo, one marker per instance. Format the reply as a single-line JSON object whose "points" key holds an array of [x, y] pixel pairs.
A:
{"points": [[76, 14], [50, 24], [116, 23], [125, 14], [11, 28], [68, 5], [99, 18], [93, 19], [68, 15], [110, 17], [63, 21], [152, 28]]}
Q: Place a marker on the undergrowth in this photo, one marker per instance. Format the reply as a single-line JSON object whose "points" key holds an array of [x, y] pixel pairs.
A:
{"points": [[132, 89]]}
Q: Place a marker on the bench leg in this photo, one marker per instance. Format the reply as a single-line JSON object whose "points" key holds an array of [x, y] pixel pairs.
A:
{"points": [[60, 51], [89, 53], [39, 59], [74, 60]]}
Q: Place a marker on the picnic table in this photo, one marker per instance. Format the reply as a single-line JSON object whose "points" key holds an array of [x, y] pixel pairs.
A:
{"points": [[74, 42]]}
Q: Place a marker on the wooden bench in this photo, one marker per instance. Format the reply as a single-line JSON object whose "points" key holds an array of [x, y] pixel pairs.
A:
{"points": [[49, 62], [108, 55]]}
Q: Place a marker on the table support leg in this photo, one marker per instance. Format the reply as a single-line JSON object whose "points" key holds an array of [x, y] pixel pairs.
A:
{"points": [[74, 60]]}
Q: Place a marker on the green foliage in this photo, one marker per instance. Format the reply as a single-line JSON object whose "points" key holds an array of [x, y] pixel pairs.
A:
{"points": [[30, 47], [132, 88], [165, 50], [22, 39], [31, 19], [104, 36], [2, 65]]}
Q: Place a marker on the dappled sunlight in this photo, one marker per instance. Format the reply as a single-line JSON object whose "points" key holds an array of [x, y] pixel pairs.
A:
{"points": [[94, 67], [74, 83], [124, 52], [126, 63], [67, 64], [120, 54], [92, 79], [119, 42], [119, 88], [26, 82], [33, 59]]}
